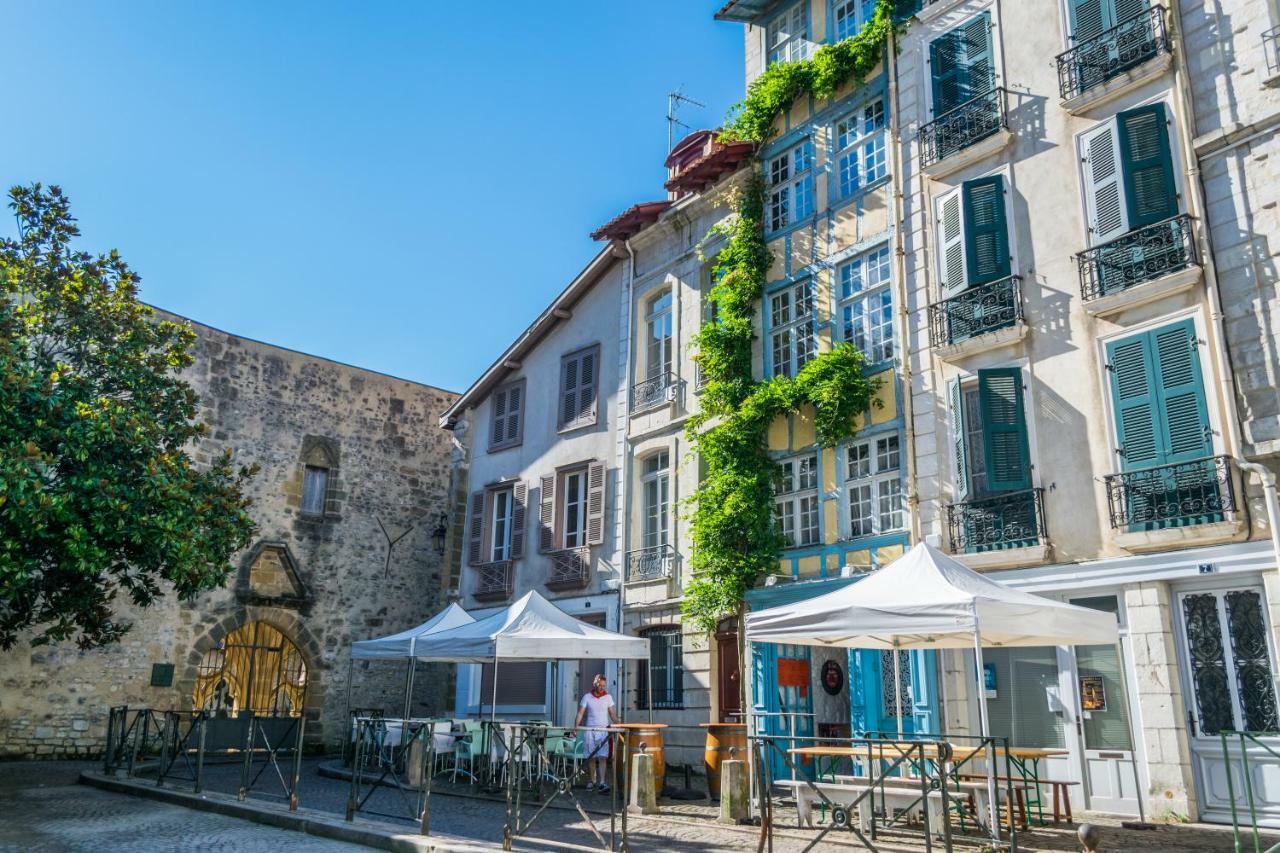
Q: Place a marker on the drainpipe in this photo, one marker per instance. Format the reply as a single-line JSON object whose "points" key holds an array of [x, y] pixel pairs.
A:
{"points": [[1269, 496], [900, 286], [624, 475]]}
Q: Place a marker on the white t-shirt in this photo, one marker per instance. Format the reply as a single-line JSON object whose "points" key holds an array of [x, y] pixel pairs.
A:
{"points": [[597, 709]]}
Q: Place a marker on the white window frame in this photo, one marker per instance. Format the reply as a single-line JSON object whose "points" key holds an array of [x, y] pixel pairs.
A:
{"points": [[655, 500], [789, 176], [867, 468], [499, 543], [573, 537], [863, 294], [796, 501], [793, 341], [850, 16], [786, 36], [658, 350], [861, 148]]}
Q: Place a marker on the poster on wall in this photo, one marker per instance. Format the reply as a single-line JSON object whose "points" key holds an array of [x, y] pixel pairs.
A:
{"points": [[1093, 693], [989, 681], [794, 672]]}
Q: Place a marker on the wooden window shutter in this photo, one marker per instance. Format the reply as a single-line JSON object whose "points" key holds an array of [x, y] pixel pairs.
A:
{"points": [[595, 503], [951, 243], [980, 69], [986, 230], [588, 365], [1148, 165], [1134, 403], [1181, 392], [519, 497], [547, 514], [1004, 429], [569, 390], [1103, 187], [578, 388], [498, 433], [515, 413], [947, 70], [1123, 10], [476, 540], [955, 397], [1087, 19]]}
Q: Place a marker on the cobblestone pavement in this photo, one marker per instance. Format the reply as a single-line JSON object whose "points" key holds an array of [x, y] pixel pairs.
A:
{"points": [[43, 810], [63, 816]]}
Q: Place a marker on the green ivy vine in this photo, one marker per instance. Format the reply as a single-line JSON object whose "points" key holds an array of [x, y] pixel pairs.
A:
{"points": [[735, 537]]}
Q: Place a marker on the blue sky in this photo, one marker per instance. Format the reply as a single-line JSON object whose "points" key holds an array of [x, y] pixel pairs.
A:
{"points": [[400, 185]]}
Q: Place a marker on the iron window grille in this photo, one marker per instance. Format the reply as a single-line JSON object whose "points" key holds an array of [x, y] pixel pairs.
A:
{"points": [[1271, 47], [652, 392], [494, 581], [570, 569], [1182, 494], [1112, 52], [986, 308], [649, 564], [958, 128], [1142, 255], [1012, 520], [666, 666]]}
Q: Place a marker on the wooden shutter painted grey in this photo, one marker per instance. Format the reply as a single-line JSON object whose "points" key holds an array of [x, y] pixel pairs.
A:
{"points": [[547, 514], [476, 539], [498, 416], [515, 413], [960, 461], [519, 497], [595, 503], [1105, 206], [578, 383], [951, 249]]}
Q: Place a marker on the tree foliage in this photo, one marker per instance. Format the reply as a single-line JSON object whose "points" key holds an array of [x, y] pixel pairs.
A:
{"points": [[98, 490]]}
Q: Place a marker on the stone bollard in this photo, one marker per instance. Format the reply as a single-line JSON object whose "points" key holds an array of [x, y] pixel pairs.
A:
{"points": [[413, 769], [644, 797], [1090, 836], [734, 792]]}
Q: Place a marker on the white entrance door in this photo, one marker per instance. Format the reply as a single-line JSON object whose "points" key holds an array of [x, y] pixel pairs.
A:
{"points": [[1230, 682]]}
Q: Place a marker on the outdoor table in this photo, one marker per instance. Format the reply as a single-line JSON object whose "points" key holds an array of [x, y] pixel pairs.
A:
{"points": [[1026, 761], [886, 751]]}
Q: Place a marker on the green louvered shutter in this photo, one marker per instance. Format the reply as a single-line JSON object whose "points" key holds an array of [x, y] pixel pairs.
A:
{"points": [[1133, 396], [986, 230], [1123, 10], [955, 397], [1088, 19], [949, 72], [1181, 392], [1004, 429], [1148, 165], [980, 74]]}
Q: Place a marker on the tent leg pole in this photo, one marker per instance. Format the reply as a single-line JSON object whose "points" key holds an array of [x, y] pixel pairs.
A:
{"points": [[622, 692], [493, 724], [1133, 734], [346, 714], [410, 666], [985, 729], [897, 688], [648, 668]]}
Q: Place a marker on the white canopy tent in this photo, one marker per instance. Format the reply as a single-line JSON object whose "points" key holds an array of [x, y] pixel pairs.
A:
{"points": [[402, 646], [531, 629], [927, 600]]}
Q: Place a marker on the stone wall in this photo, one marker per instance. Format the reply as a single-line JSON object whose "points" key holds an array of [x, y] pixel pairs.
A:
{"points": [[321, 578]]}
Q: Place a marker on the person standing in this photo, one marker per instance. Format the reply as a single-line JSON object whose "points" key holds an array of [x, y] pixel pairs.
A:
{"points": [[596, 710]]}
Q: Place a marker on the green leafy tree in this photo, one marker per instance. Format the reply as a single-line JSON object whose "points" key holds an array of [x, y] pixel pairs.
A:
{"points": [[98, 490]]}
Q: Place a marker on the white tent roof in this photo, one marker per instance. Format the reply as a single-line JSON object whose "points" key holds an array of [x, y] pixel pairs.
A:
{"points": [[401, 646], [927, 600], [530, 629]]}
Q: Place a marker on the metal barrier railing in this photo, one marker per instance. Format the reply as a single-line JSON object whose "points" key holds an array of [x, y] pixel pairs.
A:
{"points": [[1245, 739]]}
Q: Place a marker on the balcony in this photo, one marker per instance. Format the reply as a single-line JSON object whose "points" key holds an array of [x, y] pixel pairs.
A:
{"points": [[1004, 523], [978, 319], [653, 392], [651, 564], [1114, 60], [570, 569], [1164, 252], [1271, 48], [978, 128], [494, 581], [1196, 494]]}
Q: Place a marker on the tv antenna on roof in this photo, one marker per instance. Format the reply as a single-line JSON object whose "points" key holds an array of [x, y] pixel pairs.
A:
{"points": [[674, 100]]}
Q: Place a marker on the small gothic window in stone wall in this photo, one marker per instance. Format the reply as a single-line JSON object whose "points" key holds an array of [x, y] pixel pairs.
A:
{"points": [[255, 668], [315, 485]]}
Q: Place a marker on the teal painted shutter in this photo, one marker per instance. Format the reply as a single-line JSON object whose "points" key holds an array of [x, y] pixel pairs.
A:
{"points": [[986, 230], [1181, 392], [980, 76], [1088, 19], [948, 71], [1148, 165], [1134, 401], [1004, 429], [955, 396], [1123, 10]]}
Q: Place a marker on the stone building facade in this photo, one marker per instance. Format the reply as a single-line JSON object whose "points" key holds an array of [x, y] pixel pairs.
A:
{"points": [[344, 453]]}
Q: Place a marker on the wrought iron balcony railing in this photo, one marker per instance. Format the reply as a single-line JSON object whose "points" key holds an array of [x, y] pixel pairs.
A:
{"points": [[976, 311], [1142, 255], [957, 129], [1180, 495], [494, 581], [699, 378], [664, 699], [651, 564], [1013, 520], [1271, 47], [570, 569], [1112, 52], [652, 392]]}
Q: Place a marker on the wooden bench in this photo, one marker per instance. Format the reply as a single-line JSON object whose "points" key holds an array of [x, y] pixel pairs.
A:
{"points": [[1061, 794]]}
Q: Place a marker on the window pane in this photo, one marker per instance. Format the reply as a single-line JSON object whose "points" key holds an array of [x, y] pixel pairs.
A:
{"points": [[859, 461], [890, 494], [315, 482], [888, 457], [860, 511]]}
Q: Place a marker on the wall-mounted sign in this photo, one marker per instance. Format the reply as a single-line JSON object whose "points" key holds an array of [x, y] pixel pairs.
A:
{"points": [[989, 681], [161, 675], [1093, 693], [832, 678], [794, 672]]}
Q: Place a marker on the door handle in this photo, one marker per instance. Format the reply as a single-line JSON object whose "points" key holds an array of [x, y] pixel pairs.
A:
{"points": [[1191, 724]]}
